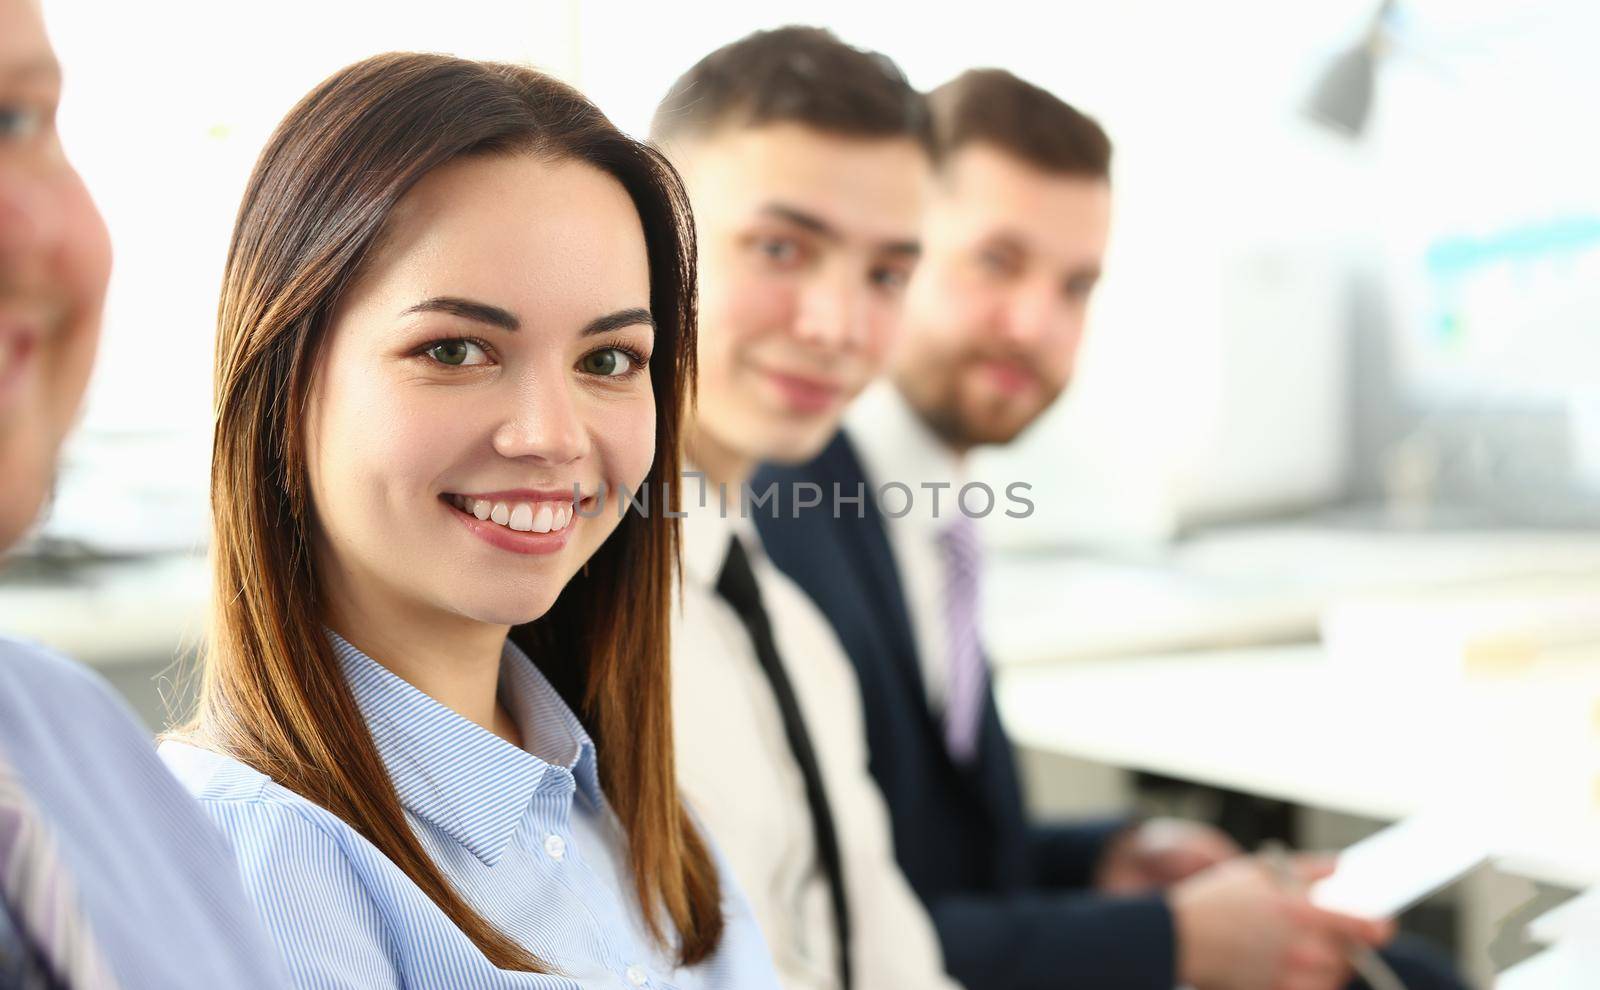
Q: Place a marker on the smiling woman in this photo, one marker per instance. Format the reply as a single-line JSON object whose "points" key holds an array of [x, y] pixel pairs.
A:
{"points": [[457, 309]]}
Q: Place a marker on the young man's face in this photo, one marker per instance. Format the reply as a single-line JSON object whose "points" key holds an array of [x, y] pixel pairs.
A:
{"points": [[806, 241], [996, 312], [55, 259]]}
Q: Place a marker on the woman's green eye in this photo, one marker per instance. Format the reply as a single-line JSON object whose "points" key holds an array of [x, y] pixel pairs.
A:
{"points": [[609, 362], [457, 353]]}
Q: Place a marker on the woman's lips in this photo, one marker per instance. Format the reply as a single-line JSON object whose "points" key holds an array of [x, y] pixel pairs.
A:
{"points": [[508, 535], [523, 513]]}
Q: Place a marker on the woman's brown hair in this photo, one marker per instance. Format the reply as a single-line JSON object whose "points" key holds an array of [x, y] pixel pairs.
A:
{"points": [[272, 694]]}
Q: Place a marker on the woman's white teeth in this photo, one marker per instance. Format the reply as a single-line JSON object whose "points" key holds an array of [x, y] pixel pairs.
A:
{"points": [[524, 517]]}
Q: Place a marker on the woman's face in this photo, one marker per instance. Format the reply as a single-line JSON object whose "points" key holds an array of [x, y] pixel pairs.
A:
{"points": [[492, 357]]}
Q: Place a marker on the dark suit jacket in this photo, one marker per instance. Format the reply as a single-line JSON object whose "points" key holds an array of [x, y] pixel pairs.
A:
{"points": [[1009, 899]]}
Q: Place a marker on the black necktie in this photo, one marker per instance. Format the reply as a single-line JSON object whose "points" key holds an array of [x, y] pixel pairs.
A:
{"points": [[737, 585]]}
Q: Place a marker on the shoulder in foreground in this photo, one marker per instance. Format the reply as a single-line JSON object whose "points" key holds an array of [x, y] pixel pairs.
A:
{"points": [[34, 678]]}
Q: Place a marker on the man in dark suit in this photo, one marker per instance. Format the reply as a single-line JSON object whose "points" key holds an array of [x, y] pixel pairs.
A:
{"points": [[1012, 249]]}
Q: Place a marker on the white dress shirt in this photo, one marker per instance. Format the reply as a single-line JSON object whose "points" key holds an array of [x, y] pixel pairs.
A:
{"points": [[742, 780], [894, 445]]}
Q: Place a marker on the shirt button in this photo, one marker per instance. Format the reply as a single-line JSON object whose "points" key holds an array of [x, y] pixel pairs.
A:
{"points": [[637, 976], [556, 846]]}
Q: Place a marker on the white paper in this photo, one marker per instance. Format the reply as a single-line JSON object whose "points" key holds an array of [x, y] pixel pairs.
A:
{"points": [[1388, 872]]}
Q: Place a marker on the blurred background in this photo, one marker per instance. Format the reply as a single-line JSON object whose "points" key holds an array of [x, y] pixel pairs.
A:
{"points": [[1401, 313], [1332, 454]]}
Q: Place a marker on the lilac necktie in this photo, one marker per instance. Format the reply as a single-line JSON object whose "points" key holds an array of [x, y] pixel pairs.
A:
{"points": [[40, 896], [968, 677]]}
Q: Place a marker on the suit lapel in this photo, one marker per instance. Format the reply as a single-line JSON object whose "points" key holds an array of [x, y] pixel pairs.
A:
{"points": [[874, 559], [871, 549]]}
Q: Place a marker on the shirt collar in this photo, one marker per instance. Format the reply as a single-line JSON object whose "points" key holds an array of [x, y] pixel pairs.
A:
{"points": [[457, 775], [707, 529], [896, 446]]}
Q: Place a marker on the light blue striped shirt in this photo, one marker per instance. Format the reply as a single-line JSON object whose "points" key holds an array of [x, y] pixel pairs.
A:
{"points": [[156, 883], [529, 840]]}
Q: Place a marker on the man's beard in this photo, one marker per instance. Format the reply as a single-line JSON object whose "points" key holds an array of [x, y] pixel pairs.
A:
{"points": [[993, 428], [990, 425]]}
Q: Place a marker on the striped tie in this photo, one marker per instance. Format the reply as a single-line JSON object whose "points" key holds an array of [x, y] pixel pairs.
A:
{"points": [[968, 675], [39, 896]]}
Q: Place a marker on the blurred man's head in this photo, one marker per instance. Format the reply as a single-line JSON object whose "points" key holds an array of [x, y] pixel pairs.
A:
{"points": [[807, 163], [55, 259], [1015, 233]]}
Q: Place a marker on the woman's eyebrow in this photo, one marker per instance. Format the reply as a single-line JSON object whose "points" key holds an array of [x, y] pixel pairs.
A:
{"points": [[468, 309], [616, 321]]}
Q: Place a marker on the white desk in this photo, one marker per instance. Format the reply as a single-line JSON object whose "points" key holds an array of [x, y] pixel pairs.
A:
{"points": [[1247, 586], [1288, 723], [1162, 665], [1565, 967]]}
